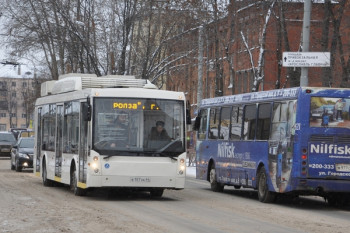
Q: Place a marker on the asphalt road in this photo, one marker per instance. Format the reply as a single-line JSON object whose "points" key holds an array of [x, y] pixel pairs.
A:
{"points": [[27, 206]]}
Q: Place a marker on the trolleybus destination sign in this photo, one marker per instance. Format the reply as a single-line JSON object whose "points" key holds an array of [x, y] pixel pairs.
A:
{"points": [[306, 59]]}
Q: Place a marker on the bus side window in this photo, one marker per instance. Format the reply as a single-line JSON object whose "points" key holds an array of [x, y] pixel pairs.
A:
{"points": [[202, 131], [249, 122], [213, 124], [225, 122], [236, 123], [264, 119], [279, 121]]}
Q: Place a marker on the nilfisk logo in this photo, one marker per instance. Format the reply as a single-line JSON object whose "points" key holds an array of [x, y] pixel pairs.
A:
{"points": [[226, 150], [329, 149]]}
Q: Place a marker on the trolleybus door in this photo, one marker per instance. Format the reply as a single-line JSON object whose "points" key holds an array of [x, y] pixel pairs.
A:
{"points": [[59, 128], [83, 145]]}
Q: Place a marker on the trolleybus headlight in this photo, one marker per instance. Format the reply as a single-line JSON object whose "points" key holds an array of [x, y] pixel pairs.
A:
{"points": [[93, 165], [95, 158]]}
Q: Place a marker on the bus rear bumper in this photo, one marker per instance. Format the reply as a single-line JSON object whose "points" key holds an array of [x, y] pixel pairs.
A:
{"points": [[318, 186]]}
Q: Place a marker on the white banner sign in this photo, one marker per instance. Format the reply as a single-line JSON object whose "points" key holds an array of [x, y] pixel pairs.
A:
{"points": [[306, 59]]}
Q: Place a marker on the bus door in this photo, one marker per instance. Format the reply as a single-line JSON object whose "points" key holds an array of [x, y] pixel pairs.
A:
{"points": [[281, 144], [58, 151], [202, 144], [38, 141], [83, 146]]}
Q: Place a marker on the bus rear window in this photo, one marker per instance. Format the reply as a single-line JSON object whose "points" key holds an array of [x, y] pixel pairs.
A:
{"points": [[330, 112]]}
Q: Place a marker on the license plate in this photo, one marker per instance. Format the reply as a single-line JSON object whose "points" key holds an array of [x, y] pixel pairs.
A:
{"points": [[342, 167], [140, 179]]}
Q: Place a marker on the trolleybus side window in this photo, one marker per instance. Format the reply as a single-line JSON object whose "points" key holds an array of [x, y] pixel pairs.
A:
{"points": [[225, 123], [264, 120], [71, 127], [214, 123], [203, 124], [249, 122], [236, 123], [49, 124]]}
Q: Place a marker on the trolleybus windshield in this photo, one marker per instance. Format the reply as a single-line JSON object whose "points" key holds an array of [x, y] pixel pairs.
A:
{"points": [[140, 127]]}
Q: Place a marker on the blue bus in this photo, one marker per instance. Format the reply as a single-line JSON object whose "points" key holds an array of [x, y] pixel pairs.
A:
{"points": [[293, 141]]}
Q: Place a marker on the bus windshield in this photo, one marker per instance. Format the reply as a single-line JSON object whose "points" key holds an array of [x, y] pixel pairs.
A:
{"points": [[330, 112], [140, 127]]}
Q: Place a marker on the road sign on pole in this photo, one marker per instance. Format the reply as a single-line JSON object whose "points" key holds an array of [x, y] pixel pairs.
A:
{"points": [[306, 59]]}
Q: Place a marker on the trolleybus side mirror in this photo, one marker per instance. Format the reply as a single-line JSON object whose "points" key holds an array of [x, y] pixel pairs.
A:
{"points": [[197, 123], [188, 117], [86, 111]]}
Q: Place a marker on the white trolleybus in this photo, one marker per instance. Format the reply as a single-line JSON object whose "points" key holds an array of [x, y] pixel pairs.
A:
{"points": [[108, 132]]}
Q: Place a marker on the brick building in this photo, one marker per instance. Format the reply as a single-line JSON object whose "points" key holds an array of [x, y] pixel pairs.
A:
{"points": [[232, 48]]}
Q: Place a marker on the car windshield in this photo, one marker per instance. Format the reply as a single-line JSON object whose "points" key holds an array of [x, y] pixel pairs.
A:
{"points": [[7, 137], [143, 127], [27, 143], [330, 112]]}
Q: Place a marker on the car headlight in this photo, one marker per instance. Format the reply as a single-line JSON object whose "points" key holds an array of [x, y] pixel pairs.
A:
{"points": [[23, 155]]}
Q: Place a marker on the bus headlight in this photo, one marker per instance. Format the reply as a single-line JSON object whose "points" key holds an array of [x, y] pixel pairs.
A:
{"points": [[94, 165], [182, 166]]}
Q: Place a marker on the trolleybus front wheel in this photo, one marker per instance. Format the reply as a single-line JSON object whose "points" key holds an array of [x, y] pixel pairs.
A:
{"points": [[264, 194], [46, 182], [214, 184], [74, 184], [156, 193]]}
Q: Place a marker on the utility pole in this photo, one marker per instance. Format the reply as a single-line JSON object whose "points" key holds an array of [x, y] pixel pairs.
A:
{"points": [[304, 80], [200, 65]]}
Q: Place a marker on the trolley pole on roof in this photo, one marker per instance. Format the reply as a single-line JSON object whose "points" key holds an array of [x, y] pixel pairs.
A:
{"points": [[304, 80], [200, 66]]}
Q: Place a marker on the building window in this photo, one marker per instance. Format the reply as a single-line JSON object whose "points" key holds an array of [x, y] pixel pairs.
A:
{"points": [[13, 84], [13, 94], [2, 127], [2, 115], [24, 115], [13, 114], [24, 84]]}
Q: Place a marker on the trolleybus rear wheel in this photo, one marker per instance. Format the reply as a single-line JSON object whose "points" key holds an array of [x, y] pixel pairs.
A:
{"points": [[264, 194], [214, 184]]}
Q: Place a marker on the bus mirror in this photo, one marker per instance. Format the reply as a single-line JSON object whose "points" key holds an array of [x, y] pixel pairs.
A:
{"points": [[188, 117], [86, 111], [197, 123]]}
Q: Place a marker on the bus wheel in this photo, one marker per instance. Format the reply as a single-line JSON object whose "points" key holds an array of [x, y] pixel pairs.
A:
{"points": [[237, 186], [338, 200], [156, 193], [46, 182], [74, 184], [214, 184], [264, 194]]}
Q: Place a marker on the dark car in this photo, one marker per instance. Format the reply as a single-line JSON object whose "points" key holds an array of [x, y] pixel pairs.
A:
{"points": [[22, 154], [7, 141]]}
